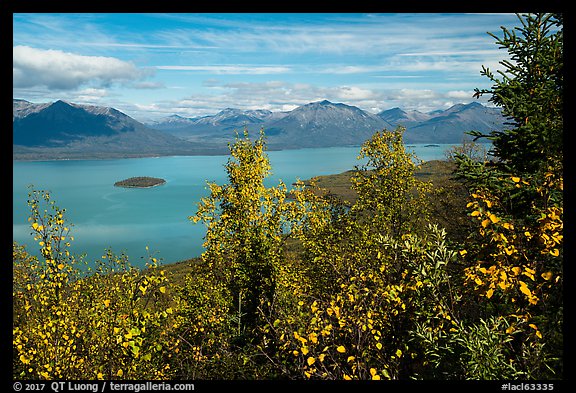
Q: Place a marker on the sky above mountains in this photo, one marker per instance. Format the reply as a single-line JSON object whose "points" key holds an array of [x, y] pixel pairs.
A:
{"points": [[154, 65]]}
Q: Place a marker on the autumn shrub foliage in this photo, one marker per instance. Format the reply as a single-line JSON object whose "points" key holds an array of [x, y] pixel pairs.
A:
{"points": [[72, 321], [515, 257], [295, 284]]}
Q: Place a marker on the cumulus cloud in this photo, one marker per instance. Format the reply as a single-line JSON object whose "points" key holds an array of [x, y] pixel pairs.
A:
{"points": [[60, 70], [460, 94], [353, 93], [277, 95], [90, 95]]}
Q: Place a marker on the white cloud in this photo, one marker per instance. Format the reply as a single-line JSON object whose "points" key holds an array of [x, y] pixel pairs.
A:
{"points": [[228, 69], [353, 93], [352, 69], [90, 95], [455, 52], [148, 85], [60, 70], [460, 94], [420, 94], [283, 96], [271, 95]]}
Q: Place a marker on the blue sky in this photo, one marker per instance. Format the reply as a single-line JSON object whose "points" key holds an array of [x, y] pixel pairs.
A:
{"points": [[154, 65]]}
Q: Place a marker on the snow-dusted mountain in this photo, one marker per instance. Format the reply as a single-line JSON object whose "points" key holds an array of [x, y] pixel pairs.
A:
{"points": [[172, 122], [397, 116], [450, 125], [234, 117], [317, 124], [325, 123], [67, 130]]}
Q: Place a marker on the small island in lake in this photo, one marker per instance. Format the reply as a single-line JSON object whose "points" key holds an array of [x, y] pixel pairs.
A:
{"points": [[140, 182]]}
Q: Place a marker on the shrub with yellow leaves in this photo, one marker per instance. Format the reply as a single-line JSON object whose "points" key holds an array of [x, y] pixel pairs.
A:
{"points": [[351, 313], [245, 226], [516, 259], [91, 323]]}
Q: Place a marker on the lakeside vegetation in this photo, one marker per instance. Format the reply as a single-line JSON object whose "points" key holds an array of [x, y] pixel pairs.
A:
{"points": [[395, 270], [452, 195]]}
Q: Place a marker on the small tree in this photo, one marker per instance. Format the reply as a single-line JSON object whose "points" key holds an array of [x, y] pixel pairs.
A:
{"points": [[245, 221], [530, 91], [515, 257], [347, 307], [390, 197], [477, 152]]}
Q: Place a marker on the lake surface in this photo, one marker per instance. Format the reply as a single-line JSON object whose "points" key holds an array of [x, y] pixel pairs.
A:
{"points": [[129, 219]]}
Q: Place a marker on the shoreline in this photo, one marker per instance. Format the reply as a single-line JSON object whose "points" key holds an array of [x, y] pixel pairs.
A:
{"points": [[213, 153]]}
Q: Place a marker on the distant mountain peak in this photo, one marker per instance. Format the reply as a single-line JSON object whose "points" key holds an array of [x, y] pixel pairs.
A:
{"points": [[230, 110], [59, 104], [397, 116], [317, 104], [395, 111], [463, 107], [62, 129]]}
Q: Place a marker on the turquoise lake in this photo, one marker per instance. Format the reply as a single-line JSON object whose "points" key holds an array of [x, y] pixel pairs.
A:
{"points": [[127, 220]]}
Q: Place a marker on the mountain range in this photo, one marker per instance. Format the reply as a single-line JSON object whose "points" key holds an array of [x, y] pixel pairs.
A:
{"points": [[67, 130], [445, 126], [325, 124]]}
